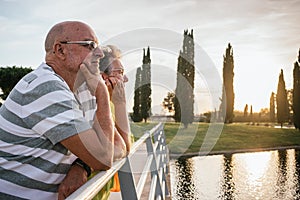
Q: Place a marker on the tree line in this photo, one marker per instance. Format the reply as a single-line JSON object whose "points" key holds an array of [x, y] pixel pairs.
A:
{"points": [[9, 77], [182, 101], [288, 101], [284, 104]]}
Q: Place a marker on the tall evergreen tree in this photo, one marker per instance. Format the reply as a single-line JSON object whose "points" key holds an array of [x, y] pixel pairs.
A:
{"points": [[272, 107], [296, 93], [184, 92], [146, 86], [227, 101], [246, 111], [289, 94], [142, 90], [281, 101], [251, 113], [136, 115]]}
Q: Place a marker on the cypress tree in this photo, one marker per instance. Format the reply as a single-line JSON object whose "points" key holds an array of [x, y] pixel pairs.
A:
{"points": [[184, 92], [179, 89], [136, 115], [142, 90], [246, 111], [227, 101], [251, 113], [146, 86], [272, 107], [296, 93], [281, 101], [289, 94]]}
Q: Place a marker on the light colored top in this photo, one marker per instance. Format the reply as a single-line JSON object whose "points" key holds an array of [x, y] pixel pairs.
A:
{"points": [[40, 112]]}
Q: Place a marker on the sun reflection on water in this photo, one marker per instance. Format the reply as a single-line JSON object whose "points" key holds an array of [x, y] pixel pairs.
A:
{"points": [[253, 173], [253, 165], [259, 175]]}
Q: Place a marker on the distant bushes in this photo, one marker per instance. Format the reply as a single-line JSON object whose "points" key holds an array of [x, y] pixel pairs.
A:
{"points": [[9, 77]]}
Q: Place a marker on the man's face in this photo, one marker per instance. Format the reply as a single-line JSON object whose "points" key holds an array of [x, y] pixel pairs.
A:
{"points": [[92, 61], [83, 48]]}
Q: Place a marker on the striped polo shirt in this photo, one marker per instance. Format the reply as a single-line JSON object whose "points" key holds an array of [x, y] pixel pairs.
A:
{"points": [[87, 102], [40, 112]]}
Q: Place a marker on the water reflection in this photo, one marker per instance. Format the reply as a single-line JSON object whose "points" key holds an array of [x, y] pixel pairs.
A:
{"points": [[186, 187], [227, 183], [261, 175], [253, 174]]}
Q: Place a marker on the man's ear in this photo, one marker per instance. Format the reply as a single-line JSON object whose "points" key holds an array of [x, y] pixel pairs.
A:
{"points": [[59, 51]]}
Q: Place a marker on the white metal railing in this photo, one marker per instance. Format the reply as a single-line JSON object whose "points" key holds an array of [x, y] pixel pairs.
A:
{"points": [[156, 164]]}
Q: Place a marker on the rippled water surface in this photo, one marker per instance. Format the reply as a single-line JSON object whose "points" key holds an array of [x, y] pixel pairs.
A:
{"points": [[241, 176]]}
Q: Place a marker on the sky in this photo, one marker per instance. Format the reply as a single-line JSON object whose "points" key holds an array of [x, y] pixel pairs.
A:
{"points": [[264, 34]]}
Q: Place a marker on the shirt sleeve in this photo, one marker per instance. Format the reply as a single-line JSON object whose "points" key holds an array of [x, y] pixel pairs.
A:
{"points": [[54, 112]]}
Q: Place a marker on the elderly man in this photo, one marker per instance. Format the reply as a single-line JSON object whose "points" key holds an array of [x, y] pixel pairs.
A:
{"points": [[44, 134]]}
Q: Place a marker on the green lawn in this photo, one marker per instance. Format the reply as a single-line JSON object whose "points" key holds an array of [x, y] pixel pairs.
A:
{"points": [[138, 129], [219, 138], [230, 137]]}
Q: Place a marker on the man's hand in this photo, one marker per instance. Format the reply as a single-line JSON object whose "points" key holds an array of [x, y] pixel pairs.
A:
{"points": [[92, 79], [75, 178]]}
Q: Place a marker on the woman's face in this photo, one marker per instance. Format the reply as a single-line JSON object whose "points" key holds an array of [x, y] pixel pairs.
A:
{"points": [[117, 71], [116, 74]]}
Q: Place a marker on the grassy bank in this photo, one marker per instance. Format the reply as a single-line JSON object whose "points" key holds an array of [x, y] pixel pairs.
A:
{"points": [[230, 137]]}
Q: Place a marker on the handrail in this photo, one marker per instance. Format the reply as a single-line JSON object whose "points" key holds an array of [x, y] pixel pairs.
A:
{"points": [[156, 164]]}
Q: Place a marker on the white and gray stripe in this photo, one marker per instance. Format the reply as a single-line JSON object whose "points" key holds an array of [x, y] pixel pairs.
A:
{"points": [[40, 112]]}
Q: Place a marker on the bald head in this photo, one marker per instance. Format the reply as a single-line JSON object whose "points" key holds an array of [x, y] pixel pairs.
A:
{"points": [[64, 31]]}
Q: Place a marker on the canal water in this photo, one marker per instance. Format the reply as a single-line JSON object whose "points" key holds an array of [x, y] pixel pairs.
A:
{"points": [[273, 175]]}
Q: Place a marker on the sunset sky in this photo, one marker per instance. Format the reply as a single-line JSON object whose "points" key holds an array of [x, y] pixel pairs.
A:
{"points": [[265, 35]]}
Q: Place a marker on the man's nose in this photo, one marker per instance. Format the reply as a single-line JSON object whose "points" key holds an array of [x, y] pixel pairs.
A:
{"points": [[125, 78], [99, 52]]}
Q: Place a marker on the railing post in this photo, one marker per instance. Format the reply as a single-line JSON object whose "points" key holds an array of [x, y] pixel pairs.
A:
{"points": [[154, 169], [127, 183], [166, 160], [156, 163], [162, 150]]}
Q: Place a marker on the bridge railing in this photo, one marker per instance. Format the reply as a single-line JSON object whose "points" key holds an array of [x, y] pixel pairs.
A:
{"points": [[156, 164]]}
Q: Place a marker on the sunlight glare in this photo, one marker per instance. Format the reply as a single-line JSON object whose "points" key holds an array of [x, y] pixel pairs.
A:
{"points": [[254, 165]]}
